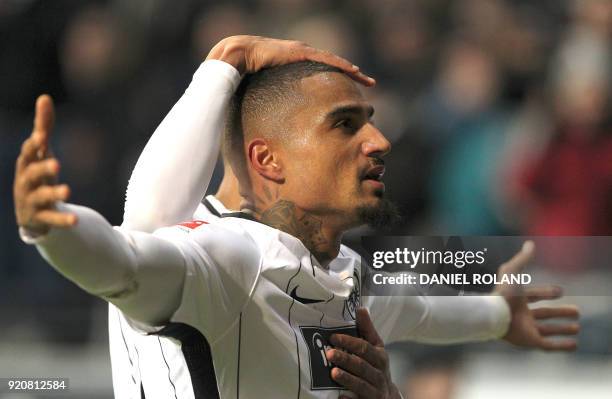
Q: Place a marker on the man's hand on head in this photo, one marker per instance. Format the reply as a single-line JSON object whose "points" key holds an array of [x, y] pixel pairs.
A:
{"points": [[362, 364], [35, 188], [532, 327], [249, 54]]}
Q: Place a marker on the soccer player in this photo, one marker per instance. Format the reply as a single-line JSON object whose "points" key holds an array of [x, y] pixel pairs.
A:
{"points": [[178, 362], [178, 359], [270, 288]]}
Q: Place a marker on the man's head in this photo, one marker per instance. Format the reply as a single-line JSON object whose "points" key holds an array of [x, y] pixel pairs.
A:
{"points": [[302, 133]]}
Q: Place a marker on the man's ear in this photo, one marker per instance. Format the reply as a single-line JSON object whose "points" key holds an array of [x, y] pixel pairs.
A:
{"points": [[264, 160]]}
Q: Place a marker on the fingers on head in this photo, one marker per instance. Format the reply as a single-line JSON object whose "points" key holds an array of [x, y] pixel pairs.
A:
{"points": [[365, 79], [323, 56], [305, 52]]}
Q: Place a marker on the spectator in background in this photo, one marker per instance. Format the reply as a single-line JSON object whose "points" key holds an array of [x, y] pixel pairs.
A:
{"points": [[567, 188], [465, 125], [563, 186]]}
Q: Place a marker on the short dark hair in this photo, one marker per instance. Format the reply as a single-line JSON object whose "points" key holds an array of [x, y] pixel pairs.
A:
{"points": [[263, 95]]}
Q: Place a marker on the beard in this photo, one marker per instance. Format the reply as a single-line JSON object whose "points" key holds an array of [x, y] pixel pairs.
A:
{"points": [[383, 215]]}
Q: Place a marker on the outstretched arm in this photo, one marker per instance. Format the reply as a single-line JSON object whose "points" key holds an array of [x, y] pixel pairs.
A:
{"points": [[140, 273], [504, 315], [173, 172], [439, 319]]}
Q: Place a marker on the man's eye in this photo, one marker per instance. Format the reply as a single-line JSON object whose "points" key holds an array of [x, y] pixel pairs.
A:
{"points": [[345, 124]]}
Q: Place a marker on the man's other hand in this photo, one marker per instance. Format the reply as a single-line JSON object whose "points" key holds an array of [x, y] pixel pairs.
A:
{"points": [[535, 327], [362, 364], [35, 188]]}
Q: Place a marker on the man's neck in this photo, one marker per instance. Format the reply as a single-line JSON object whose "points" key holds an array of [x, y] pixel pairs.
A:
{"points": [[322, 242], [228, 192]]}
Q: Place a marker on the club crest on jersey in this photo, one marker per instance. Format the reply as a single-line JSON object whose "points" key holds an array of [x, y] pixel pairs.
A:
{"points": [[317, 341], [354, 299]]}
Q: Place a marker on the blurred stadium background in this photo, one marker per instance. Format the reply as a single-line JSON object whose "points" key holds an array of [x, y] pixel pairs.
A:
{"points": [[498, 111]]}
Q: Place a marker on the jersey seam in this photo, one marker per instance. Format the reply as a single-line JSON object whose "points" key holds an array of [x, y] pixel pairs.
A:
{"points": [[246, 302], [167, 365], [126, 348]]}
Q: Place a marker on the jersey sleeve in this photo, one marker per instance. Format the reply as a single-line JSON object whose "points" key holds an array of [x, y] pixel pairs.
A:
{"points": [[439, 319], [221, 272], [196, 273], [140, 273], [175, 167]]}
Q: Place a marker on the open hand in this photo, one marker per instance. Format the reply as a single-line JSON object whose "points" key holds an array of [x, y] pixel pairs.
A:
{"points": [[526, 326], [35, 188]]}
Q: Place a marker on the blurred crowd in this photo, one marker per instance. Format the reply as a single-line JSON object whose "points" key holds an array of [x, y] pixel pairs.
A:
{"points": [[498, 110]]}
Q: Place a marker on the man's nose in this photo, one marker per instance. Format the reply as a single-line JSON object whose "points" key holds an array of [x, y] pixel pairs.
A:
{"points": [[375, 143]]}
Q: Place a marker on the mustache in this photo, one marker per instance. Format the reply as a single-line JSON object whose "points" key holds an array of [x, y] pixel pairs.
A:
{"points": [[377, 161]]}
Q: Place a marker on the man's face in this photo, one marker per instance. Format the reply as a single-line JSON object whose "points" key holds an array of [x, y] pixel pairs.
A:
{"points": [[332, 161]]}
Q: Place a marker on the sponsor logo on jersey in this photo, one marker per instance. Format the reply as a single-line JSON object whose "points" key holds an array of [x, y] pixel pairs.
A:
{"points": [[317, 341], [193, 224]]}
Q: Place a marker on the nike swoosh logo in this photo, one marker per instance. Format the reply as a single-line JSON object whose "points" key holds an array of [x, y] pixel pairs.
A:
{"points": [[295, 296]]}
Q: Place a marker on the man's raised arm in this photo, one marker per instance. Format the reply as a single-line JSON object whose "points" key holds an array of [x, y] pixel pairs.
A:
{"points": [[173, 172]]}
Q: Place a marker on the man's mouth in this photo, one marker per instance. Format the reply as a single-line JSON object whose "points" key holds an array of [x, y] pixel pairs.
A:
{"points": [[373, 177], [374, 173]]}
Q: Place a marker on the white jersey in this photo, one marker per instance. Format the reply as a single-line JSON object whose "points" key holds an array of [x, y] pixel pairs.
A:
{"points": [[269, 319], [155, 366], [267, 324], [256, 294]]}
